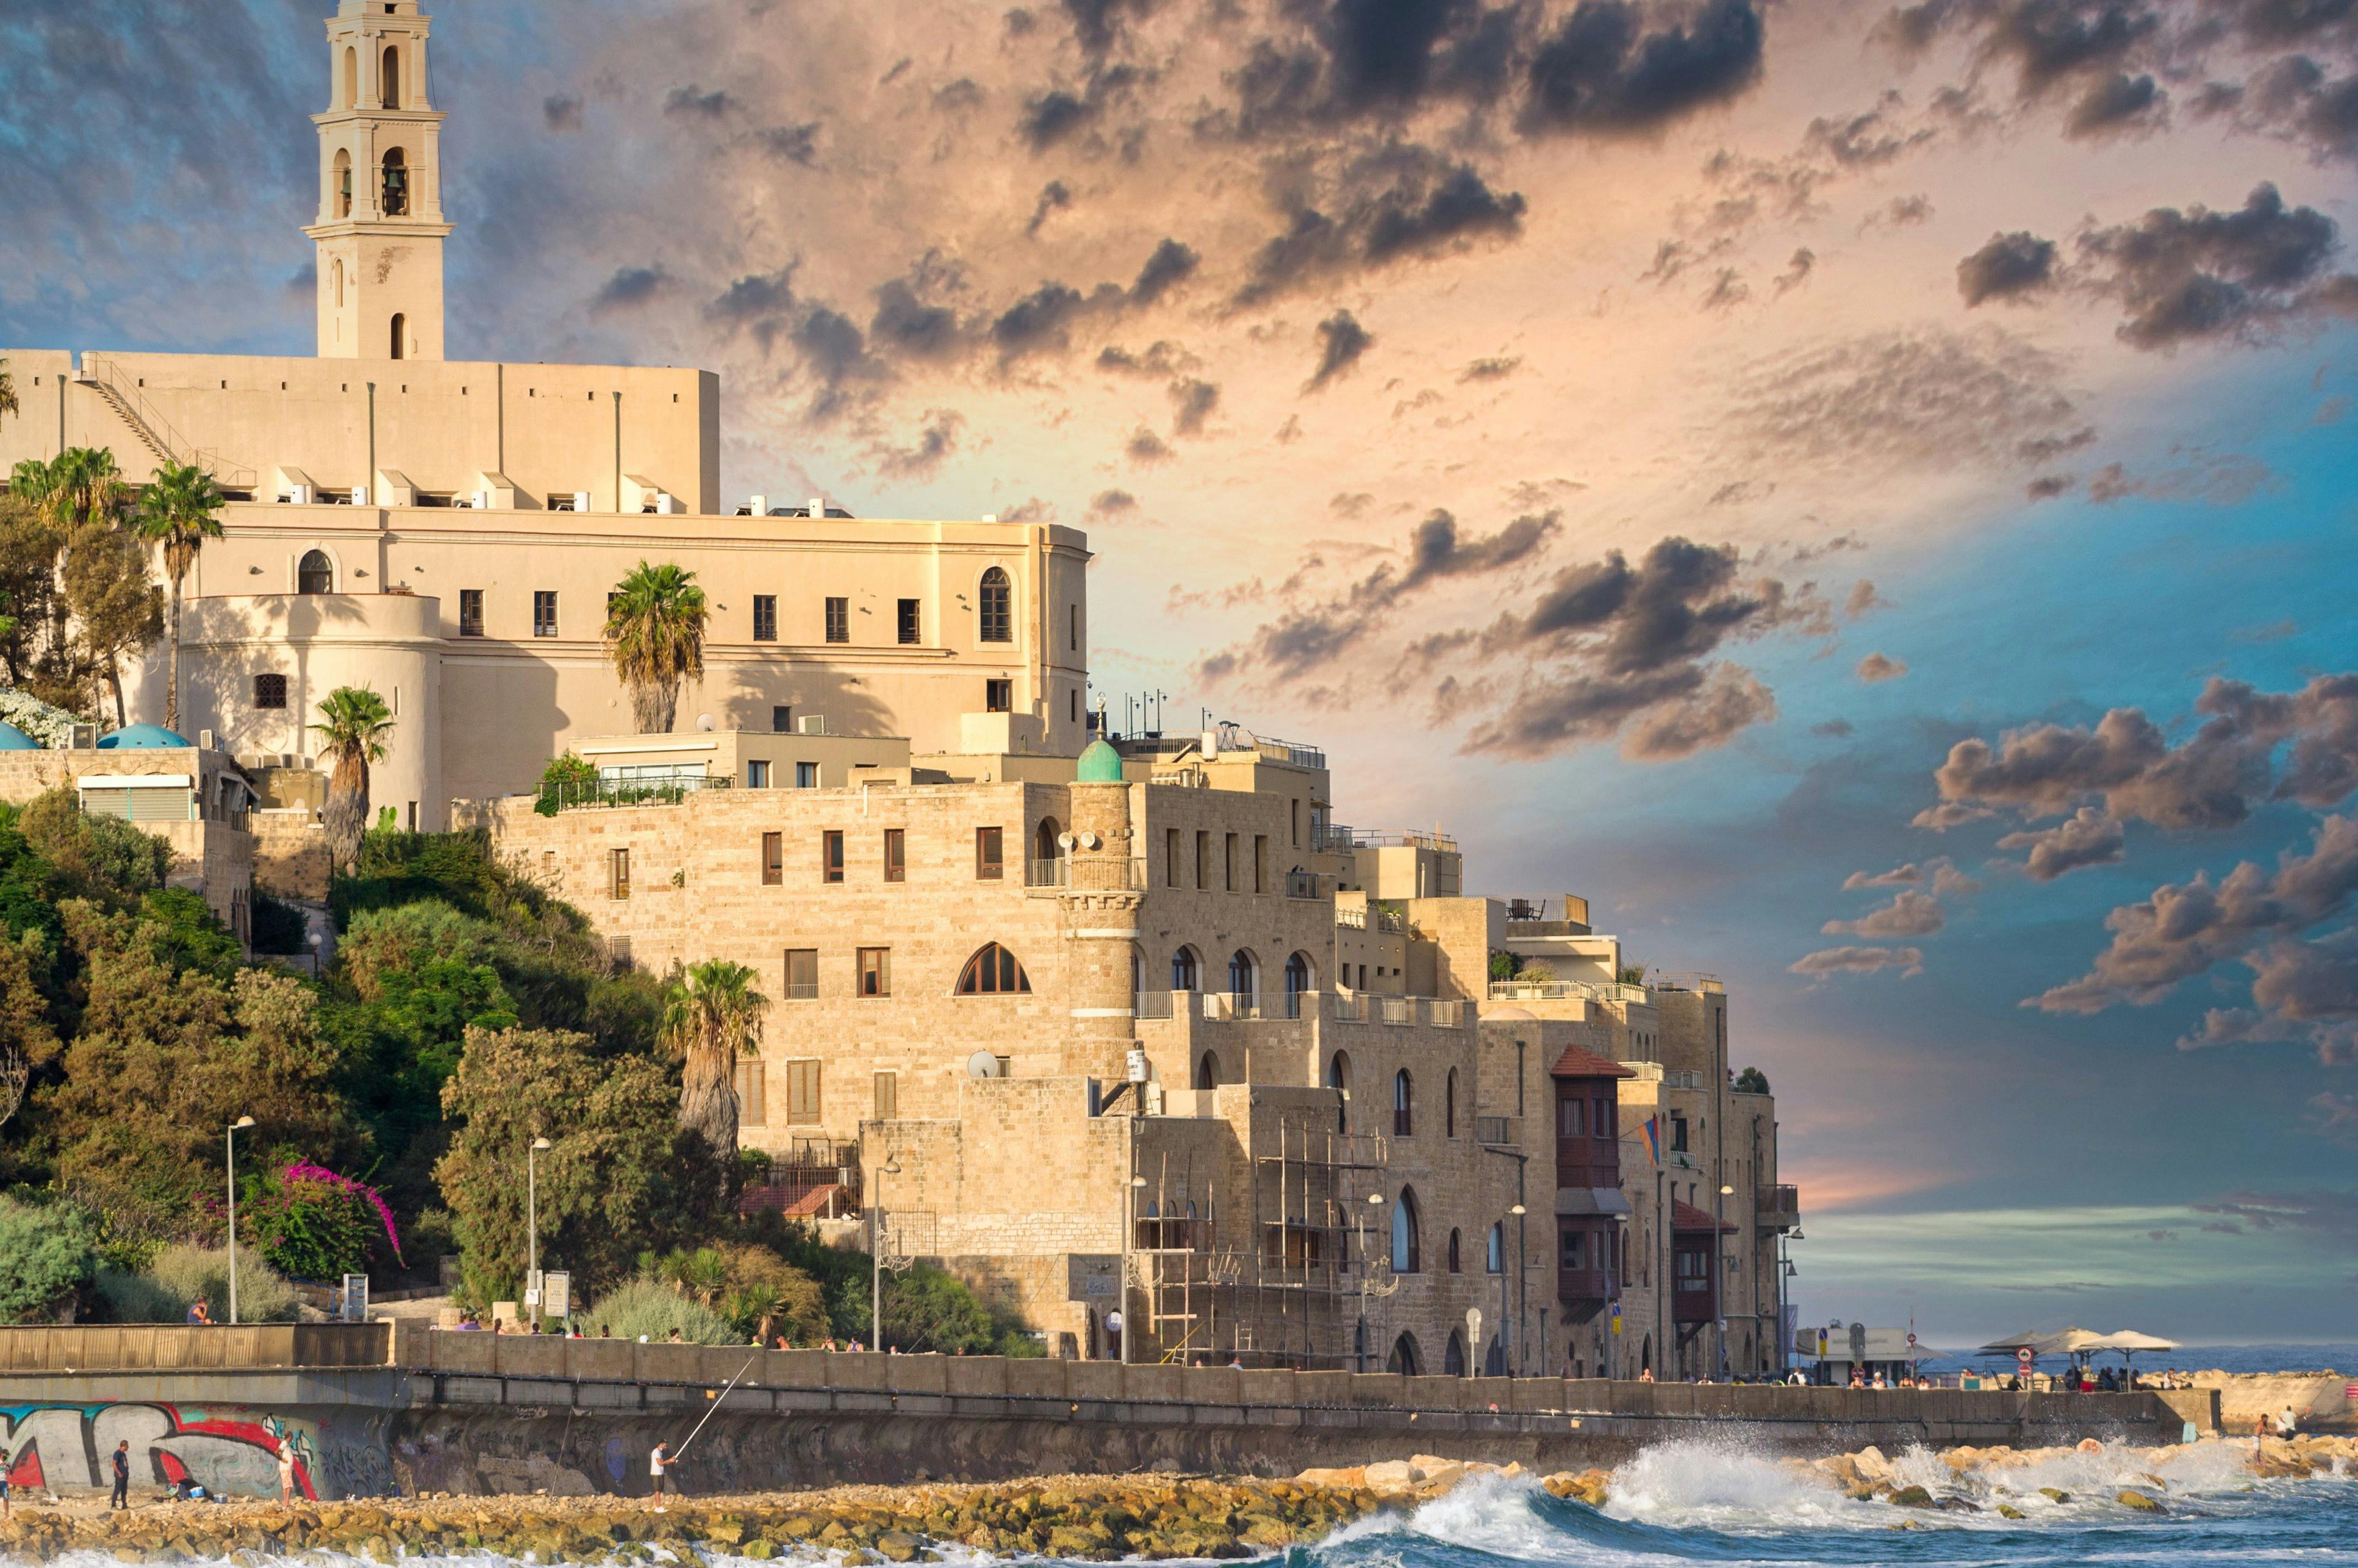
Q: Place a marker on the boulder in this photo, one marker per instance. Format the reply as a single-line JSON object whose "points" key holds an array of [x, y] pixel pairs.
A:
{"points": [[2139, 1501]]}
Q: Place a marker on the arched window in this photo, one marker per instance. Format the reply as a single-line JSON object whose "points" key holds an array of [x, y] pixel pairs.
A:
{"points": [[1403, 1105], [992, 971], [1408, 1248], [1243, 982], [391, 88], [1404, 1358], [1494, 1360], [1456, 1265], [1453, 1359], [336, 279], [1208, 1072], [400, 331], [314, 573], [1496, 1261], [1185, 975], [395, 201], [343, 177], [1338, 1079], [1298, 980], [1043, 841], [1645, 1353], [1137, 970], [995, 616], [352, 95], [1449, 1105]]}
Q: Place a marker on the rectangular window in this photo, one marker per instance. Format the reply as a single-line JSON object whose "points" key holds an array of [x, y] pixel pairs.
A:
{"points": [[875, 971], [1074, 611], [802, 974], [1073, 705], [1203, 861], [270, 691], [544, 613], [773, 859], [1261, 862], [618, 873], [888, 1096], [765, 618], [896, 855], [1679, 1133], [802, 1093], [1601, 1123], [1229, 863], [831, 855], [1571, 1119], [839, 621], [757, 774], [998, 696], [751, 1110], [908, 620], [1170, 858], [989, 866], [782, 720], [1576, 1250], [471, 612], [1293, 822], [1519, 1077], [807, 776]]}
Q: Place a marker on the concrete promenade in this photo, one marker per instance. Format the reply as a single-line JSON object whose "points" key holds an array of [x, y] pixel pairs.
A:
{"points": [[385, 1408]]}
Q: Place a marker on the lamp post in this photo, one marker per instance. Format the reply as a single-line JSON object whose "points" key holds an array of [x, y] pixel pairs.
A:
{"points": [[532, 1230], [231, 1140], [1359, 1233], [1518, 1360], [1122, 1273], [1719, 1281], [891, 1167]]}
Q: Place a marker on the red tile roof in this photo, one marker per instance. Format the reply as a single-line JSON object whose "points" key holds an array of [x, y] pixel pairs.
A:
{"points": [[1576, 1063], [1686, 1216]]}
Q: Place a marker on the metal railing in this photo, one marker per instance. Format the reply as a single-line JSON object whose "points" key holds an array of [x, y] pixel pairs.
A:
{"points": [[567, 795], [1357, 917], [1155, 1004], [148, 423], [1064, 872], [1574, 990], [1306, 884], [1496, 1131], [1331, 836], [1351, 1009], [1291, 751], [1668, 1077]]}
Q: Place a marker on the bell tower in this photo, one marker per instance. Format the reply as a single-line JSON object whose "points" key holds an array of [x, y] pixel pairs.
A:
{"points": [[380, 229]]}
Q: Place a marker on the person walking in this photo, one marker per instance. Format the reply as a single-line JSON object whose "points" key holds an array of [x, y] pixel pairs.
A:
{"points": [[286, 1469], [659, 1463], [121, 1464]]}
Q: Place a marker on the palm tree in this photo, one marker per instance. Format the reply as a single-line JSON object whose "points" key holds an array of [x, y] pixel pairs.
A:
{"points": [[654, 634], [8, 393], [178, 511], [353, 724], [711, 1013], [82, 485]]}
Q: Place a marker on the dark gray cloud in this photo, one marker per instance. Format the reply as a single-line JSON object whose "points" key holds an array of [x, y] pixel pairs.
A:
{"points": [[1341, 341], [793, 144], [936, 440], [2089, 837], [2324, 1210], [1398, 202], [693, 102], [561, 111], [2120, 102], [2011, 266], [1160, 359], [1170, 264], [1050, 117], [1111, 502], [1146, 449], [1603, 70], [1493, 369], [1192, 402], [2253, 746], [629, 288]]}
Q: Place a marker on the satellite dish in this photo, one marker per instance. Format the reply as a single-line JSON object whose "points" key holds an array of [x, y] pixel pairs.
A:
{"points": [[982, 1065], [704, 722], [1090, 841], [1064, 841]]}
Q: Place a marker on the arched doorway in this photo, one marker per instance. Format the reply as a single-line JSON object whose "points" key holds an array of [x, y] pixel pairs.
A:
{"points": [[389, 87], [1185, 975], [1408, 1246], [1208, 1072], [400, 335], [1298, 978], [1645, 1354], [1453, 1357], [314, 573], [1045, 848], [1494, 1360], [1244, 981], [1338, 1079], [1404, 1358]]}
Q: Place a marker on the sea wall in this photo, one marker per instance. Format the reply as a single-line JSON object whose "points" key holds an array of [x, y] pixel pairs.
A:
{"points": [[2318, 1399]]}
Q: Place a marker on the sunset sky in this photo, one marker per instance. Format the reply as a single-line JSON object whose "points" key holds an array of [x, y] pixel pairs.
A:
{"points": [[1861, 494]]}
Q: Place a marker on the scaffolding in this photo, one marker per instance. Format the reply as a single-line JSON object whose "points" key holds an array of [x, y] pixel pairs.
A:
{"points": [[1289, 1287]]}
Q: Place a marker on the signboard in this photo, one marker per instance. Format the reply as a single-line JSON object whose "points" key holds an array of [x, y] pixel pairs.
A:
{"points": [[557, 1294], [1616, 1317], [351, 1306], [2023, 1356], [1092, 1277], [1136, 1065]]}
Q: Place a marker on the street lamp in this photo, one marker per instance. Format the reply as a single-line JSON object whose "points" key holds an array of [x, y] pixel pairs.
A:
{"points": [[1359, 1233], [531, 1296], [1122, 1273], [1512, 1328], [230, 1138], [891, 1167], [1719, 1286]]}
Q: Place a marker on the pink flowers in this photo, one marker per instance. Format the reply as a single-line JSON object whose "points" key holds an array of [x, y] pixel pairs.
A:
{"points": [[303, 1171]]}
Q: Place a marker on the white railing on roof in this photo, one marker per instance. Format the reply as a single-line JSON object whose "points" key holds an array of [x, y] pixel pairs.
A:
{"points": [[1561, 991]]}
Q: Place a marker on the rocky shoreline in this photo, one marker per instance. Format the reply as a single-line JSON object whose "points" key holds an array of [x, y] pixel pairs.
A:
{"points": [[1096, 1517]]}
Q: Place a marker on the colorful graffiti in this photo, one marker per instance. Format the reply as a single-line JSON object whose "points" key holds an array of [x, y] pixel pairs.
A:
{"points": [[229, 1449]]}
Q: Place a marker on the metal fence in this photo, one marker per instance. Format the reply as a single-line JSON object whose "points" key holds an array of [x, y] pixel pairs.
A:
{"points": [[574, 794]]}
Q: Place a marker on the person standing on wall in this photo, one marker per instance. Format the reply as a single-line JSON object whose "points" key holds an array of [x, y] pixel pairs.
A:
{"points": [[121, 1464]]}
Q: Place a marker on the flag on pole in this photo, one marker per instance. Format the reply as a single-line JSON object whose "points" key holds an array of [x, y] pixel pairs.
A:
{"points": [[1654, 1138]]}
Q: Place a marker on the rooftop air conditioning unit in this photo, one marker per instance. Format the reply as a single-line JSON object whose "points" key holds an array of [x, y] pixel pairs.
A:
{"points": [[581, 501], [300, 494], [360, 495], [758, 507], [668, 503], [811, 724], [479, 500], [208, 741]]}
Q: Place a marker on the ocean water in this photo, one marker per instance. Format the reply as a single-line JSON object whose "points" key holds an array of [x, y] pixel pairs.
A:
{"points": [[1717, 1503], [2343, 1358]]}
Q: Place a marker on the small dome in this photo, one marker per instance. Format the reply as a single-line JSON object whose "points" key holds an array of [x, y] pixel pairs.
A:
{"points": [[1510, 1014], [15, 739], [1100, 764], [140, 737]]}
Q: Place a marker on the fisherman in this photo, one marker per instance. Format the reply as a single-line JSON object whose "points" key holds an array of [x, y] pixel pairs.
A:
{"points": [[659, 1463]]}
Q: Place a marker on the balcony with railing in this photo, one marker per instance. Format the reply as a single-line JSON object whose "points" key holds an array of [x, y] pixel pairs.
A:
{"points": [[1364, 917], [1065, 873], [1292, 752], [1570, 990], [1668, 1077], [1495, 1132], [673, 788], [1777, 1208]]}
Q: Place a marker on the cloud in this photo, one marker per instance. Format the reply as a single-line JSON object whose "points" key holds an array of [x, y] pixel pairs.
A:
{"points": [[2120, 102], [1830, 961], [1341, 341], [2224, 481], [1399, 202], [936, 440], [2011, 266], [1878, 668], [561, 112], [1496, 369], [1835, 727], [1170, 265], [692, 103], [2253, 746], [1112, 503], [1055, 197], [1146, 449], [2182, 929], [795, 144], [1600, 71], [1192, 402], [2091, 837], [629, 288], [1909, 913], [2320, 1209]]}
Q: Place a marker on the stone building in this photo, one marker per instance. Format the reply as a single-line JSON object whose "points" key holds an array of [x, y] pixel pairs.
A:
{"points": [[1135, 1025]]}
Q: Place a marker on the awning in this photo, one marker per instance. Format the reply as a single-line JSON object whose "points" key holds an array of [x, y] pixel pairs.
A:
{"points": [[1590, 1200], [2129, 1341], [1686, 1216], [134, 781]]}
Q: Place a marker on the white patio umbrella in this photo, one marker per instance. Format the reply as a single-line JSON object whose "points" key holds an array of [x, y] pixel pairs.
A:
{"points": [[2128, 1342]]}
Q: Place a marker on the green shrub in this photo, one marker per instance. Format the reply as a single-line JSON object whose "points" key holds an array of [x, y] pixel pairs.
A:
{"points": [[652, 1308], [561, 773], [128, 1296], [48, 1254], [184, 1273], [311, 1224], [278, 924]]}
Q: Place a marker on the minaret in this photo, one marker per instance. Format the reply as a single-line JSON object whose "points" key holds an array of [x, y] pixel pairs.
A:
{"points": [[379, 227]]}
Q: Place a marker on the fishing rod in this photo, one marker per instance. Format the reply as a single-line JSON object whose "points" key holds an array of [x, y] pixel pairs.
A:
{"points": [[716, 1405]]}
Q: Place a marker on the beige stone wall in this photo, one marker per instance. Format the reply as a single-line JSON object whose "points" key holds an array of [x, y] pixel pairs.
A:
{"points": [[290, 855]]}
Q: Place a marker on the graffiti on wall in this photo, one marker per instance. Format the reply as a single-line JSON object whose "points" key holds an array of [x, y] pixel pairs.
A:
{"points": [[226, 1449]]}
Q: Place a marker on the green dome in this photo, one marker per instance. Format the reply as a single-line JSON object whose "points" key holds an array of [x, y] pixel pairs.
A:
{"points": [[1099, 764]]}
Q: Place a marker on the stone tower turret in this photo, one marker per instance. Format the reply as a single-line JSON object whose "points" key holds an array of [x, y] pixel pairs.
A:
{"points": [[1101, 902], [380, 230]]}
